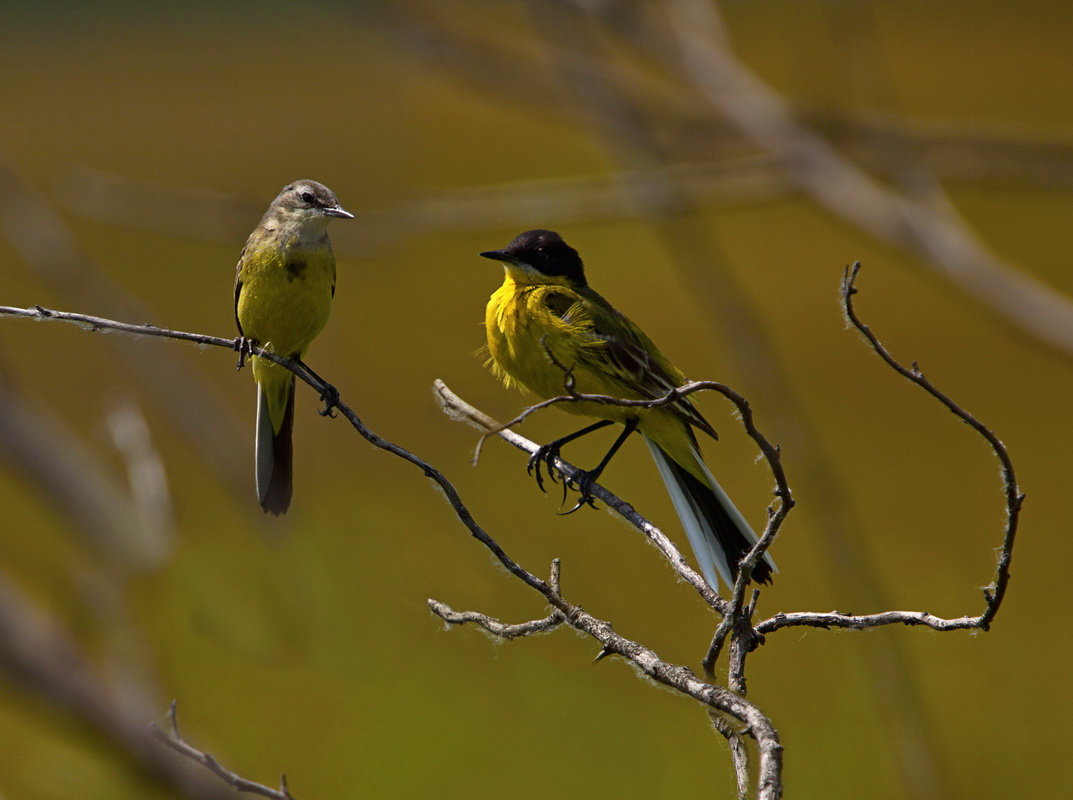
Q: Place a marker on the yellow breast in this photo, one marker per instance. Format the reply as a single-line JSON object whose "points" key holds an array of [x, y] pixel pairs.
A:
{"points": [[286, 295], [531, 348]]}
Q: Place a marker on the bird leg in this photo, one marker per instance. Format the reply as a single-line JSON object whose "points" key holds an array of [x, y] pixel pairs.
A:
{"points": [[547, 453], [583, 480], [329, 394]]}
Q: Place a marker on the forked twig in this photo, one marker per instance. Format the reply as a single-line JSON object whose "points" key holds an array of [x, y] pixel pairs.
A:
{"points": [[1014, 497], [499, 629]]}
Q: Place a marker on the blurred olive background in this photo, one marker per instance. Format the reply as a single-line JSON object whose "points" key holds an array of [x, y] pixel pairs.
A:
{"points": [[157, 133]]}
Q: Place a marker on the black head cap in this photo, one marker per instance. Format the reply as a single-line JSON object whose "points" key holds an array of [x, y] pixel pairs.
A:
{"points": [[311, 195], [544, 251]]}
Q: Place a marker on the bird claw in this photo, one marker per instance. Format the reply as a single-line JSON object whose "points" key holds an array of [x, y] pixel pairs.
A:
{"points": [[543, 460], [582, 482], [330, 396], [244, 347], [546, 455]]}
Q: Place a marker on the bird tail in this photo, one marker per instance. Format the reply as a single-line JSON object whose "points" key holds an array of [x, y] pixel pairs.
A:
{"points": [[274, 452], [719, 534]]}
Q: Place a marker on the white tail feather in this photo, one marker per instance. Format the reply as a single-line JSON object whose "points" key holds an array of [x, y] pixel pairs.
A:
{"points": [[706, 548], [262, 453]]}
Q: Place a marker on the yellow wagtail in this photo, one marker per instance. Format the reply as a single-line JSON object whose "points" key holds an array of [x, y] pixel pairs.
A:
{"points": [[545, 323], [284, 287]]}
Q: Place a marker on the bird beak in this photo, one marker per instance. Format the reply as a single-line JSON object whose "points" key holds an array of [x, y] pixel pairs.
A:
{"points": [[497, 255], [338, 211]]}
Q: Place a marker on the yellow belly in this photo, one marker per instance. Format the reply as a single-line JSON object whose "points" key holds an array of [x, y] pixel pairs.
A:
{"points": [[284, 302], [282, 310]]}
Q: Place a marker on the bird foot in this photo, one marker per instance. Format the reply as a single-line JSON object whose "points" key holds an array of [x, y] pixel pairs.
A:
{"points": [[582, 482], [330, 396], [244, 347], [545, 457]]}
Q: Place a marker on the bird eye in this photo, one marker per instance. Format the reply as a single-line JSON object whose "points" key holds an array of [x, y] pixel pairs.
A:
{"points": [[307, 197]]}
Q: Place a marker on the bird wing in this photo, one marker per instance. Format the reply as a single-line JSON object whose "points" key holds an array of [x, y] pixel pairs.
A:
{"points": [[617, 349], [238, 284]]}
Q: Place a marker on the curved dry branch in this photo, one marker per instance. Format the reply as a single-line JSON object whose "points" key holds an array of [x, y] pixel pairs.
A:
{"points": [[501, 630], [302, 372], [720, 702], [173, 739], [838, 619], [1014, 498], [737, 622], [458, 409]]}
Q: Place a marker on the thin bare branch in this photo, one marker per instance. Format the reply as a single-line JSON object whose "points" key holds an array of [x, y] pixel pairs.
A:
{"points": [[499, 629], [993, 594], [94, 324], [458, 409], [739, 753], [1014, 498], [839, 619], [172, 738]]}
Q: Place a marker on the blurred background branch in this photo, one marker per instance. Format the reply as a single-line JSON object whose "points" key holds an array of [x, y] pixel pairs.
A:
{"points": [[57, 465], [931, 231], [40, 656], [48, 248]]}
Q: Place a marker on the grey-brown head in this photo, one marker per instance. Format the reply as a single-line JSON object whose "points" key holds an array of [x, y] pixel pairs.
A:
{"points": [[308, 200]]}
